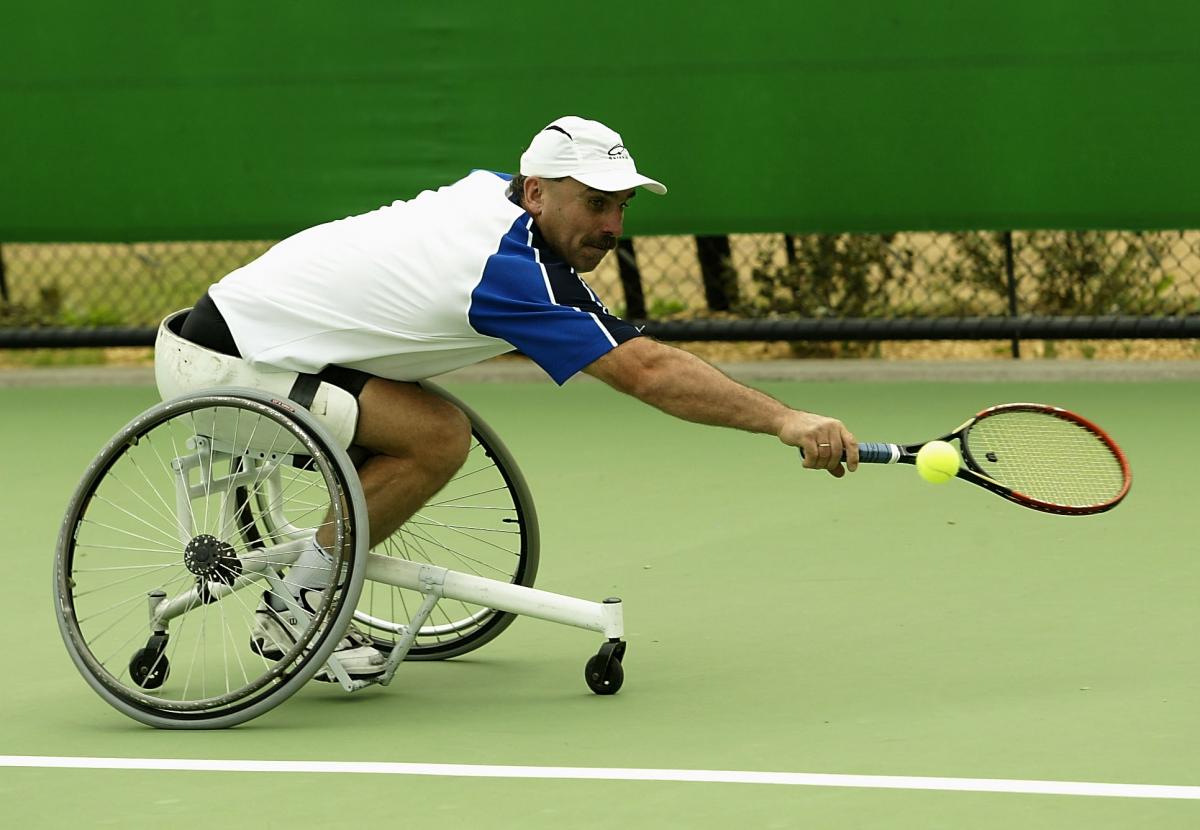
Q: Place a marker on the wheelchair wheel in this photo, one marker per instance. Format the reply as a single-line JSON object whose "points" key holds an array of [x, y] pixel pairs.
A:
{"points": [[482, 522], [159, 567]]}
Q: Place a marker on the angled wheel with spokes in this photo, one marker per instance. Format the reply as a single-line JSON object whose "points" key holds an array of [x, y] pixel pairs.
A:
{"points": [[159, 567]]}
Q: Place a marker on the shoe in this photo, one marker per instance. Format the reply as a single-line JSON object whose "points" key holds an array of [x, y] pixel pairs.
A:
{"points": [[271, 638]]}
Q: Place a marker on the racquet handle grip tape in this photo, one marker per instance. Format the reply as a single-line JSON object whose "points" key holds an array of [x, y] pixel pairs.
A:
{"points": [[872, 452]]}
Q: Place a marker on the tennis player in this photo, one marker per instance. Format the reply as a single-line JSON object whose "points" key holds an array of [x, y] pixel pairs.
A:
{"points": [[345, 316]]}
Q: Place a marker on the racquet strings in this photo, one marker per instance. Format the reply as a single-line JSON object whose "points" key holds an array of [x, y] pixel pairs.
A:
{"points": [[1046, 457]]}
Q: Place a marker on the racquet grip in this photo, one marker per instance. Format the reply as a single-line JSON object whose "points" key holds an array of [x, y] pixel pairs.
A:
{"points": [[872, 452]]}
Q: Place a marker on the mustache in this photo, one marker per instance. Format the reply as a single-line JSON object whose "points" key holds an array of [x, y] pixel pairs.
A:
{"points": [[606, 242]]}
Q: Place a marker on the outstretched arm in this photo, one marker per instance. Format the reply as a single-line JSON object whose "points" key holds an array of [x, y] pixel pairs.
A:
{"points": [[683, 385]]}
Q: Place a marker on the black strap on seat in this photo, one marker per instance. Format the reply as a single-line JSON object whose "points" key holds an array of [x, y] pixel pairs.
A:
{"points": [[304, 390]]}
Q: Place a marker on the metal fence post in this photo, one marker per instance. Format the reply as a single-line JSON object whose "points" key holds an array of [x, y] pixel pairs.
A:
{"points": [[1011, 279], [631, 279], [720, 282]]}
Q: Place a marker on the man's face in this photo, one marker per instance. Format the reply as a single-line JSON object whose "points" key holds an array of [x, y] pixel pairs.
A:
{"points": [[581, 223]]}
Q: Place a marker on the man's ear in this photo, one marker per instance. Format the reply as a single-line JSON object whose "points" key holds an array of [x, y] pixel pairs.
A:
{"points": [[534, 195]]}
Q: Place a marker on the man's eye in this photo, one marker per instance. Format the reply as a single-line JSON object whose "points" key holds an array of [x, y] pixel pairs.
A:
{"points": [[598, 204]]}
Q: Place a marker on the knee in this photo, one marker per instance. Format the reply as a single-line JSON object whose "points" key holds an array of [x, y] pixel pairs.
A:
{"points": [[405, 421], [447, 438]]}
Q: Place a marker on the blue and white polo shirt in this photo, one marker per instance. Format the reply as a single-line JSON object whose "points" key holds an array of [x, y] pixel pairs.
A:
{"points": [[419, 287]]}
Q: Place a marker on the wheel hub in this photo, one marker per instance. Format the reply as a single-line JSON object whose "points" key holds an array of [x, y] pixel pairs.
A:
{"points": [[207, 556]]}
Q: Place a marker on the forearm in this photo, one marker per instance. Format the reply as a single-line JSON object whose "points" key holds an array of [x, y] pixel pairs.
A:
{"points": [[686, 387], [696, 391], [683, 385]]}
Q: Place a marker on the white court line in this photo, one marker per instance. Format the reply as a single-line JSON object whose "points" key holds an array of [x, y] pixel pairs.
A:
{"points": [[802, 779]]}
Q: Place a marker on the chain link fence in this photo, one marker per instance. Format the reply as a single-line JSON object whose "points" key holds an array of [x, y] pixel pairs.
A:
{"points": [[822, 287]]}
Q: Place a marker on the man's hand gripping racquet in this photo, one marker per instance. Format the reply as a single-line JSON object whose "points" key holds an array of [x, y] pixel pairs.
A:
{"points": [[1037, 456]]}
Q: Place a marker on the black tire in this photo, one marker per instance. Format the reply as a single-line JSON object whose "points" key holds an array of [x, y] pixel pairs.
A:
{"points": [[121, 550], [149, 668], [604, 679]]}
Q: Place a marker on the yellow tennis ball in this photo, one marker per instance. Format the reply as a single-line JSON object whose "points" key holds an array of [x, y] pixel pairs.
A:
{"points": [[937, 462]]}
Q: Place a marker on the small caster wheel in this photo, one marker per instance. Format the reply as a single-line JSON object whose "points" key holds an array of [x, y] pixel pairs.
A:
{"points": [[149, 668], [603, 672]]}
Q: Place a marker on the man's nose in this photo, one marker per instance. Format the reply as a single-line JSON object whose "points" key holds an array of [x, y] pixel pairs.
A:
{"points": [[613, 222]]}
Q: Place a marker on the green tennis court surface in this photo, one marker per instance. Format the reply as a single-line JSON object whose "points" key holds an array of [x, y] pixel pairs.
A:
{"points": [[778, 621]]}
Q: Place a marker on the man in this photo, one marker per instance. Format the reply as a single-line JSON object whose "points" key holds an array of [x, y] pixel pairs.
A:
{"points": [[362, 307]]}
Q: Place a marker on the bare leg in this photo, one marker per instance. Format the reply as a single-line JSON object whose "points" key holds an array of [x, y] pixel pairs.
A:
{"points": [[419, 440]]}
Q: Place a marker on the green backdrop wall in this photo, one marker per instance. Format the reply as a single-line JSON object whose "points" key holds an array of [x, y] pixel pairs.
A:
{"points": [[155, 120]]}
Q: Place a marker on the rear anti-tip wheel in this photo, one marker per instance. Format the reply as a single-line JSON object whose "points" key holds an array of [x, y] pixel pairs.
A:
{"points": [[603, 672]]}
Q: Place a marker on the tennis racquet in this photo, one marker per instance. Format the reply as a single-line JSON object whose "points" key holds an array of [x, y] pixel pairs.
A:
{"points": [[1038, 456]]}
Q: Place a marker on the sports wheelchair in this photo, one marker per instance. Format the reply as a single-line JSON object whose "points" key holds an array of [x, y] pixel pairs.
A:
{"points": [[195, 510]]}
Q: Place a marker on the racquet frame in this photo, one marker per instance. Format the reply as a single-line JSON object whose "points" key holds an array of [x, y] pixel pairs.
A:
{"points": [[971, 470]]}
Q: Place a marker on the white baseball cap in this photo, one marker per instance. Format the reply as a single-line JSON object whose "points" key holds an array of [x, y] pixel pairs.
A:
{"points": [[588, 152]]}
